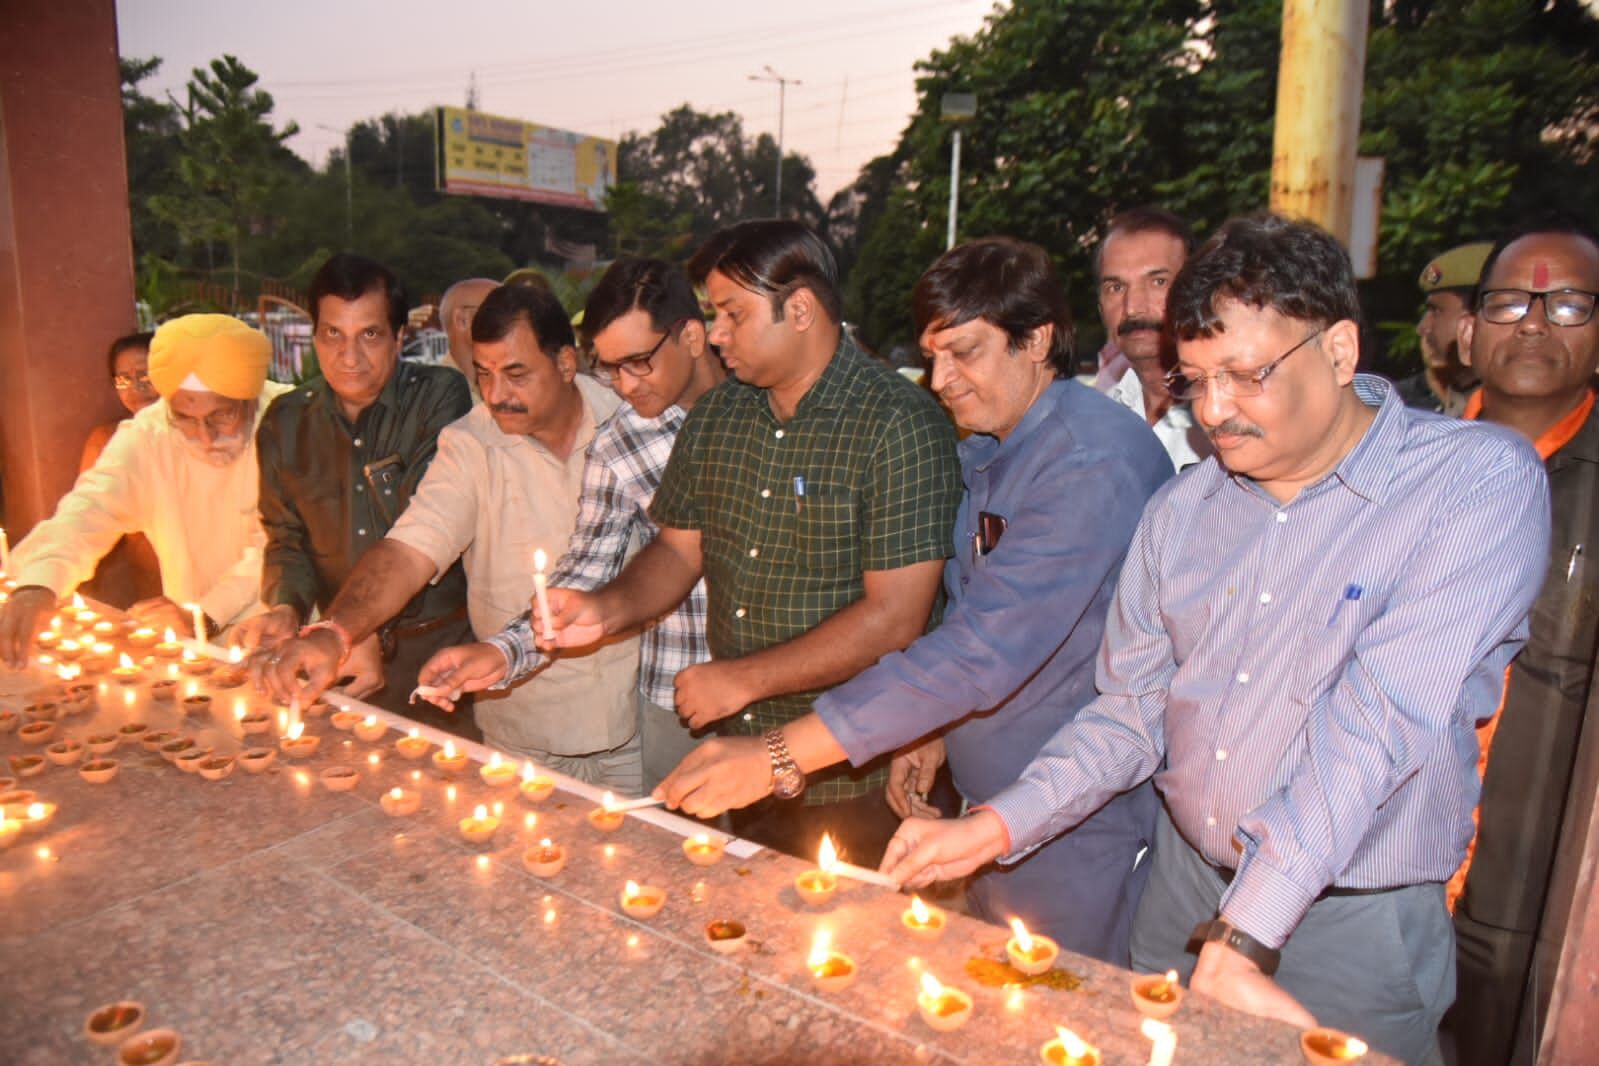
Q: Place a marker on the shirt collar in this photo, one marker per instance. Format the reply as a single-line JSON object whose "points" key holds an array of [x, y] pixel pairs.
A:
{"points": [[836, 385], [983, 451], [1369, 467], [388, 397]]}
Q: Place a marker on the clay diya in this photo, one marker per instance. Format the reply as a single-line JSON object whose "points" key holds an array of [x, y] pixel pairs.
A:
{"points": [[642, 901], [216, 767], [168, 648], [98, 771], [199, 703], [158, 1047], [546, 860], [535, 788], [143, 638], [1068, 1049], [164, 691], [1331, 1047], [701, 850], [725, 935], [412, 745], [64, 752], [448, 761], [340, 778], [256, 760], [192, 759], [175, 747], [816, 887], [132, 730], [113, 1023], [1157, 995], [77, 698], [831, 971], [1031, 953], [126, 671], [45, 711], [344, 721], [370, 729], [400, 802], [480, 827], [923, 922], [8, 720], [196, 665], [153, 741], [10, 830], [37, 732], [943, 1008], [69, 650], [28, 765], [296, 745], [102, 743], [497, 772], [256, 724]]}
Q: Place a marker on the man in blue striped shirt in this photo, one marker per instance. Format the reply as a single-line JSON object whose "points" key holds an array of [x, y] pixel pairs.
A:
{"points": [[1307, 628]]}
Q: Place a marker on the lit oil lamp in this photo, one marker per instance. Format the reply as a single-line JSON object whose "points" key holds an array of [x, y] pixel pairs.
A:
{"points": [[370, 729], [606, 818], [64, 752], [102, 743], [216, 767], [196, 665], [344, 721], [296, 745], [143, 639], [50, 637], [1031, 953], [256, 760], [497, 771], [103, 629], [69, 650], [726, 936], [1157, 995], [233, 673], [642, 901], [82, 613], [943, 1008], [923, 922], [69, 672], [27, 765], [98, 771], [817, 886], [157, 1047], [535, 788], [831, 971], [480, 827], [1068, 1049], [39, 816], [168, 648], [113, 1023], [126, 670], [413, 745], [340, 778], [400, 802], [546, 860], [702, 850], [448, 761], [1330, 1047]]}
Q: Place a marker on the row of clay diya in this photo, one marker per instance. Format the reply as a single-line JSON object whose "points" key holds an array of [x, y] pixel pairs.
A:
{"points": [[120, 1025]]}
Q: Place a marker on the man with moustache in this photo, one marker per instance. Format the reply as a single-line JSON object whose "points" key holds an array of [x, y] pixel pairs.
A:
{"points": [[182, 472], [503, 485], [644, 324], [1134, 267], [1448, 282], [1306, 629], [340, 457], [1533, 339], [815, 495]]}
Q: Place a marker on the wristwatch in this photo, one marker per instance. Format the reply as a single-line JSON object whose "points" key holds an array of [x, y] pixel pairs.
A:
{"points": [[1220, 930], [787, 780]]}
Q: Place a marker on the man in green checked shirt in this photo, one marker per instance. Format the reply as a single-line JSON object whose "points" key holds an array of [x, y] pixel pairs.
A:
{"points": [[815, 492]]}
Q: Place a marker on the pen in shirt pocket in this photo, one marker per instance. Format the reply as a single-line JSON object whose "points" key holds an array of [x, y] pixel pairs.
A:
{"points": [[1571, 563], [799, 493], [1351, 594]]}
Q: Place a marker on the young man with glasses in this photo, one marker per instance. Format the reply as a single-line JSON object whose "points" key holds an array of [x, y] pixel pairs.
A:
{"points": [[1533, 340], [647, 333], [1306, 628]]}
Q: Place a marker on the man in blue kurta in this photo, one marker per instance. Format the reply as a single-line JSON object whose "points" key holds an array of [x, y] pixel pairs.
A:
{"points": [[1055, 479]]}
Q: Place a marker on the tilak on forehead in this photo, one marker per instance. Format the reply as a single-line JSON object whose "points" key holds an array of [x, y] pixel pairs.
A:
{"points": [[1540, 274]]}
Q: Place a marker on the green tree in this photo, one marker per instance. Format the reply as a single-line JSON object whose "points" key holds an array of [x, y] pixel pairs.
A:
{"points": [[150, 133]]}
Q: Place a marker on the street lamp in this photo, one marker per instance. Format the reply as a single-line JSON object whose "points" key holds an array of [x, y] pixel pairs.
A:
{"points": [[782, 91], [956, 108], [349, 201]]}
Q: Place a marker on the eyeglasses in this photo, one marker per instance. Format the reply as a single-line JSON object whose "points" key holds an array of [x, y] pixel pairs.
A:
{"points": [[221, 423], [1561, 307], [124, 382], [635, 365], [1232, 382]]}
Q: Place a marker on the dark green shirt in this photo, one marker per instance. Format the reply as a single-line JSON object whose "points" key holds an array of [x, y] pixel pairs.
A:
{"points": [[881, 482], [320, 513]]}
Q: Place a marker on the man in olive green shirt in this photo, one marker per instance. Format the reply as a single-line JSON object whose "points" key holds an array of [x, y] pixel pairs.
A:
{"points": [[340, 457], [816, 494]]}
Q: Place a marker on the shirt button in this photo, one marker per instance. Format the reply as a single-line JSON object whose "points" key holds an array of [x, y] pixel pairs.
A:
{"points": [[740, 613], [779, 434], [1265, 597], [1211, 822], [360, 488], [360, 532], [1281, 517], [766, 494], [754, 552], [749, 717], [1243, 679], [358, 442], [1221, 754]]}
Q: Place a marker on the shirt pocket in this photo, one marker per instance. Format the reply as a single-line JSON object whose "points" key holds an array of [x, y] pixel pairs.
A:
{"points": [[1326, 645], [826, 535]]}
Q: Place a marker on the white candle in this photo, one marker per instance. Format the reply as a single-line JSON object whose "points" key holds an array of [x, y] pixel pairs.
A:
{"points": [[294, 711], [541, 592], [1164, 1046], [199, 624], [5, 553]]}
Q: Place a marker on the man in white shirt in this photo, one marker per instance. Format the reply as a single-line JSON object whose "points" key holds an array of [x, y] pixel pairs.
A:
{"points": [[1133, 267], [182, 472], [504, 483]]}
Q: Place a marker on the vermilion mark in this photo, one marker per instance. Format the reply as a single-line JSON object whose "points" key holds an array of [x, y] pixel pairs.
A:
{"points": [[1540, 275]]}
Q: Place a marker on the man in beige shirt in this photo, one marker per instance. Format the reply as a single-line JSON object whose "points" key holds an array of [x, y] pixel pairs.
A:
{"points": [[504, 483]]}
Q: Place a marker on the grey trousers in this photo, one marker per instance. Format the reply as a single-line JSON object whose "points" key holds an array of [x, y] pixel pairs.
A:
{"points": [[1381, 966], [666, 740]]}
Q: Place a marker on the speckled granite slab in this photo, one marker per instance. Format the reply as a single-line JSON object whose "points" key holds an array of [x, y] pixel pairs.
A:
{"points": [[272, 921]]}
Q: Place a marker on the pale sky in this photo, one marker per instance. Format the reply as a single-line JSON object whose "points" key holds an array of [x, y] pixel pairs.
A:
{"points": [[600, 67]]}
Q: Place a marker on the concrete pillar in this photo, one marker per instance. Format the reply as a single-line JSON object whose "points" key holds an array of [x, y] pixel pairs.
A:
{"points": [[66, 256], [1317, 132]]}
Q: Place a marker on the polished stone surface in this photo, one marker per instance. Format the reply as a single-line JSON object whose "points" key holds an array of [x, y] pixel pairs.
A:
{"points": [[270, 920]]}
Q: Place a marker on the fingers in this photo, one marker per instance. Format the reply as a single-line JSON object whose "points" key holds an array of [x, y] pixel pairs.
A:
{"points": [[926, 774], [897, 802]]}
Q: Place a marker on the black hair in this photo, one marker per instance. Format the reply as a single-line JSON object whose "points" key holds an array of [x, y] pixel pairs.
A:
{"points": [[653, 286], [507, 305], [350, 277], [1559, 223], [123, 344], [1145, 219], [774, 257], [1010, 284], [1265, 261]]}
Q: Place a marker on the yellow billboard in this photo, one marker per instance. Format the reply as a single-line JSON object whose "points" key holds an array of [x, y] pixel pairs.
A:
{"points": [[488, 155]]}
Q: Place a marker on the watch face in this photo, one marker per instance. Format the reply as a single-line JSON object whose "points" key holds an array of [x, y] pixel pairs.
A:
{"points": [[788, 783]]}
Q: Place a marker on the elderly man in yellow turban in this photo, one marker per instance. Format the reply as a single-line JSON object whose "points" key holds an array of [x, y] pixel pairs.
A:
{"points": [[182, 472]]}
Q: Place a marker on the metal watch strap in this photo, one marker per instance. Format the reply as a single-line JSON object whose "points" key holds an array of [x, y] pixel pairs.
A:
{"points": [[783, 765], [1220, 930]]}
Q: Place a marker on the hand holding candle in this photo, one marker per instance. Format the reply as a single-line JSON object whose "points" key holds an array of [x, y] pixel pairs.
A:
{"points": [[541, 594]]}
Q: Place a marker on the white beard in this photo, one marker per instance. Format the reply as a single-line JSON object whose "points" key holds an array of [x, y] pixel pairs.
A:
{"points": [[223, 451]]}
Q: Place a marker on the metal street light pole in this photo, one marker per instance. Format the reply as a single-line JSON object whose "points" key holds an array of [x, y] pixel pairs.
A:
{"points": [[349, 198], [782, 93], [956, 108]]}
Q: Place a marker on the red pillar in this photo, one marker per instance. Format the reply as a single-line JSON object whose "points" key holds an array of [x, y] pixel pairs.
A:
{"points": [[66, 255]]}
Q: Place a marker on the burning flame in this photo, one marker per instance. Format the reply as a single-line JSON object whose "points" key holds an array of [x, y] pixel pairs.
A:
{"points": [[539, 559], [1024, 940], [370, 721], [100, 647], [125, 661], [171, 637], [494, 759], [530, 821], [77, 602], [931, 988], [631, 890], [827, 855], [480, 812], [295, 730], [35, 811], [449, 749], [189, 656], [919, 911], [702, 840], [544, 843], [374, 759], [821, 948], [499, 808], [235, 655], [67, 673], [1070, 1042], [608, 801], [395, 794], [55, 624]]}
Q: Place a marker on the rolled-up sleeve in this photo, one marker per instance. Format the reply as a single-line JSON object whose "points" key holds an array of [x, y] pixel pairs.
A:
{"points": [[104, 504]]}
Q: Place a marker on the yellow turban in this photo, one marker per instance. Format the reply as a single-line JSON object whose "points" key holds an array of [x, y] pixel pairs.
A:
{"points": [[217, 352]]}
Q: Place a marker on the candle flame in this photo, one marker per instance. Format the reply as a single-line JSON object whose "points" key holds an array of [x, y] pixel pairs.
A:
{"points": [[125, 661], [449, 793], [171, 637], [1023, 939], [827, 855], [1070, 1042], [931, 987], [295, 730], [77, 602], [530, 821], [449, 749], [414, 733], [480, 812], [35, 811], [65, 672], [1171, 977], [544, 843], [528, 773], [395, 794], [235, 655], [608, 801], [702, 839], [189, 656], [821, 947], [919, 911], [631, 890], [494, 759], [539, 559], [370, 721]]}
